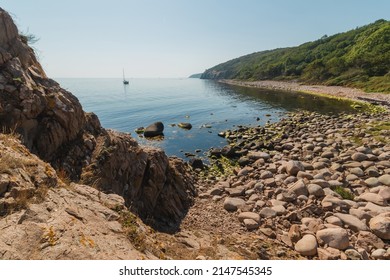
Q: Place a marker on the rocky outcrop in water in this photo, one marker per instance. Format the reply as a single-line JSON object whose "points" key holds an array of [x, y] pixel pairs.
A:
{"points": [[53, 125]]}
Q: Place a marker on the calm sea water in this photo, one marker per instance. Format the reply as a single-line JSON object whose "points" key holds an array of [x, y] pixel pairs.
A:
{"points": [[209, 106]]}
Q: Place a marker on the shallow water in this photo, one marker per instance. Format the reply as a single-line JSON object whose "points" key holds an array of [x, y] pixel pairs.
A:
{"points": [[209, 106]]}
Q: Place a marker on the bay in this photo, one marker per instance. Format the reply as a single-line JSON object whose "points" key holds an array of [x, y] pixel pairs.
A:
{"points": [[209, 106]]}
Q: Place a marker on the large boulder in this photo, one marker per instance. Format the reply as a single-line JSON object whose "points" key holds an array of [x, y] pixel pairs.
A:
{"points": [[380, 225], [333, 237], [155, 129], [307, 246]]}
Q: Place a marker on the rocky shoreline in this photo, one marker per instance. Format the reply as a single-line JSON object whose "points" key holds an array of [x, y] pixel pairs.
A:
{"points": [[311, 184], [333, 91]]}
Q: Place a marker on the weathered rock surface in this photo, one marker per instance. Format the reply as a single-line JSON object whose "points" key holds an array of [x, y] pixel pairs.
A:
{"points": [[54, 126], [43, 218], [352, 222], [380, 225], [334, 237], [307, 246]]}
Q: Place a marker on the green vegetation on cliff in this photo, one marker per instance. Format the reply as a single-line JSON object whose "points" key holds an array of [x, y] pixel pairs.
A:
{"points": [[357, 58]]}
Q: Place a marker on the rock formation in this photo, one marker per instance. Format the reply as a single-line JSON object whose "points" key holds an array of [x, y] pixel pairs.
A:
{"points": [[53, 125], [47, 219]]}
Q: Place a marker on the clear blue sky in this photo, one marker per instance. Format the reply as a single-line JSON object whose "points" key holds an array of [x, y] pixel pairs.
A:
{"points": [[175, 38]]}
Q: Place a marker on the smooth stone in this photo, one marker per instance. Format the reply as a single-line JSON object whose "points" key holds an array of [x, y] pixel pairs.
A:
{"points": [[352, 222], [258, 155], [319, 165], [315, 190], [250, 224], [303, 174], [238, 191], [364, 150], [332, 202], [267, 212], [287, 196], [233, 203], [196, 163], [385, 193], [321, 182], [254, 197], [357, 171], [270, 182], [375, 209], [359, 157], [293, 167], [360, 214], [374, 198], [351, 177], [327, 154], [372, 182], [278, 202], [380, 225], [215, 191], [352, 254], [334, 221], [154, 129], [289, 180], [385, 179], [185, 125], [378, 254], [328, 253], [337, 167], [307, 245], [311, 224], [384, 156], [333, 237], [367, 239], [266, 175], [299, 188], [249, 215], [279, 209], [352, 164]]}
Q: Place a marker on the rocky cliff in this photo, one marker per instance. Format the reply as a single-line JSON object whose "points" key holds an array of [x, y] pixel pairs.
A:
{"points": [[53, 125], [44, 218]]}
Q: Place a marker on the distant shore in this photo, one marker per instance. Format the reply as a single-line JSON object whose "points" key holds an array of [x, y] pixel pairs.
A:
{"points": [[335, 91]]}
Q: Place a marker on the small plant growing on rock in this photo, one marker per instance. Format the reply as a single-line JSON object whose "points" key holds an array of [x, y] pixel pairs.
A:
{"points": [[132, 230], [344, 193]]}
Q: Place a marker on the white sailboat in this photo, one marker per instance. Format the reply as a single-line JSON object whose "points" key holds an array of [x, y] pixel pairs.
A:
{"points": [[125, 82]]}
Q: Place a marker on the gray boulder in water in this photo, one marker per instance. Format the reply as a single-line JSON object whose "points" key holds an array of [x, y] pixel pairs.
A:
{"points": [[154, 129]]}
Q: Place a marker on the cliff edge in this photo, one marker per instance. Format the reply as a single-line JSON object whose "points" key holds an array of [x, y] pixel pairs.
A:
{"points": [[53, 125]]}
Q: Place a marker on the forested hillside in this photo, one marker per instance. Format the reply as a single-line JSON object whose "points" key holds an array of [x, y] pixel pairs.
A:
{"points": [[357, 58]]}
